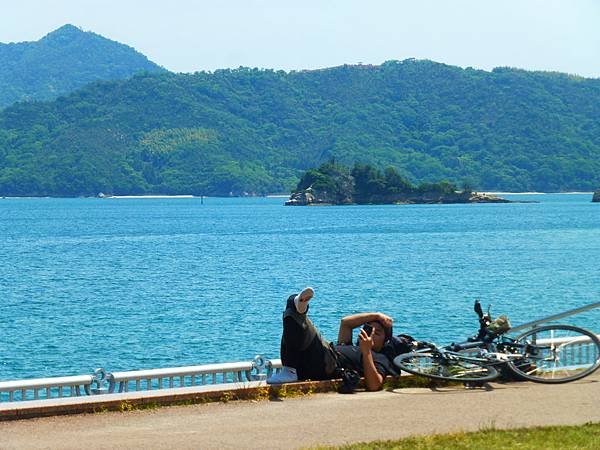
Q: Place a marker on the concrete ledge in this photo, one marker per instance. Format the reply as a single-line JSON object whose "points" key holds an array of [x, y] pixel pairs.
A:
{"points": [[128, 401], [255, 390]]}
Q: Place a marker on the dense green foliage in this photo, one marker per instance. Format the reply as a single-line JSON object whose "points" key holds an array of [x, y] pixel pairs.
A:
{"points": [[63, 61], [336, 183], [331, 179], [257, 131]]}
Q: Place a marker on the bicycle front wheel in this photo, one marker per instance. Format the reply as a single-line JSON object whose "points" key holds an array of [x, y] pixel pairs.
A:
{"points": [[556, 354], [439, 367]]}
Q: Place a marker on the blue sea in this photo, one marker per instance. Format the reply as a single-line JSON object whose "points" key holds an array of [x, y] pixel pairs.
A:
{"points": [[128, 284]]}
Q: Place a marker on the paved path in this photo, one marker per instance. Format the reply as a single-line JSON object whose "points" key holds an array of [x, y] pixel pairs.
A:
{"points": [[313, 420]]}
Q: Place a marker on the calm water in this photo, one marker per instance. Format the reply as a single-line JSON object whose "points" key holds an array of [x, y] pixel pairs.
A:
{"points": [[127, 284]]}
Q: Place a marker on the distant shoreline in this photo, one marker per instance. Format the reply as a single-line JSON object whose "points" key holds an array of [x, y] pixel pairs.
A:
{"points": [[537, 193], [187, 196], [149, 196]]}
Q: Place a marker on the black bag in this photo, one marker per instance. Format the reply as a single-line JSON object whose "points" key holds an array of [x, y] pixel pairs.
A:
{"points": [[397, 345], [350, 379]]}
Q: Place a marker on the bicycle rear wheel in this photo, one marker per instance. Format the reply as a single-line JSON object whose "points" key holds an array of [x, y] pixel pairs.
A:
{"points": [[556, 354], [435, 365]]}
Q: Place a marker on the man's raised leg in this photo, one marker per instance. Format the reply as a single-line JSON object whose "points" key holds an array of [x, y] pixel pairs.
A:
{"points": [[302, 346]]}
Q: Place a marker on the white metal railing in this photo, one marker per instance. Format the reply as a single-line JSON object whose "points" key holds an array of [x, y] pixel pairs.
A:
{"points": [[574, 352], [141, 380], [579, 340], [273, 365], [45, 388], [102, 382]]}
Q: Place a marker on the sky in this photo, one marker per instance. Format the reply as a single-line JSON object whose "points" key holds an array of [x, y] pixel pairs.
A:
{"points": [[188, 36]]}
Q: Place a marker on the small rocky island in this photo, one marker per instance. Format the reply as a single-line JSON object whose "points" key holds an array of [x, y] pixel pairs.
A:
{"points": [[335, 184], [596, 196]]}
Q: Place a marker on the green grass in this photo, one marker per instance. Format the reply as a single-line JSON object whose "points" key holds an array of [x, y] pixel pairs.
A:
{"points": [[547, 438]]}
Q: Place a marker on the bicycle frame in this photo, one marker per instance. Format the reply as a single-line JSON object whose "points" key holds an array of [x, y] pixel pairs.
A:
{"points": [[567, 353], [483, 356]]}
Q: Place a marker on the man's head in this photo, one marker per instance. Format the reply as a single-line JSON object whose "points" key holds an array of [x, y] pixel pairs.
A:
{"points": [[380, 335]]}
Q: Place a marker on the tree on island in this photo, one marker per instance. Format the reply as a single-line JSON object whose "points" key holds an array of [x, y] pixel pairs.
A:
{"points": [[332, 181], [336, 184]]}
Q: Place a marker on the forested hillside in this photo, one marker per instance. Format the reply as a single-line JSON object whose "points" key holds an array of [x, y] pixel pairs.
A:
{"points": [[257, 131], [63, 61]]}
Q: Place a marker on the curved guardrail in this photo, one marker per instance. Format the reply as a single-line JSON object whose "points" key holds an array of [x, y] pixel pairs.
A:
{"points": [[172, 377], [40, 388], [103, 382]]}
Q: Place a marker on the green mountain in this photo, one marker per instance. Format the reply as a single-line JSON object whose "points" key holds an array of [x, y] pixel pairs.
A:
{"points": [[257, 131], [63, 61]]}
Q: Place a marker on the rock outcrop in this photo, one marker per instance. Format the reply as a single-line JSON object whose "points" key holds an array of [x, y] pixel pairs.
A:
{"points": [[477, 197], [302, 198], [596, 197], [310, 197], [313, 197]]}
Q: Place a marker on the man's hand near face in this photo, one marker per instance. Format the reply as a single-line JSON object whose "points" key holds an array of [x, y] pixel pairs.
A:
{"points": [[373, 379]]}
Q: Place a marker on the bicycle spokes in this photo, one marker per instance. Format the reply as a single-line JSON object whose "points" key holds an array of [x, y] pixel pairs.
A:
{"points": [[446, 367], [557, 353]]}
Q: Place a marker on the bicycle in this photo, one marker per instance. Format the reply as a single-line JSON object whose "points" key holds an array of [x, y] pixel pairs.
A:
{"points": [[545, 354]]}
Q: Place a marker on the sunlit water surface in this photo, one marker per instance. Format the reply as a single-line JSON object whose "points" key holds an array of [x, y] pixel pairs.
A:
{"points": [[144, 283]]}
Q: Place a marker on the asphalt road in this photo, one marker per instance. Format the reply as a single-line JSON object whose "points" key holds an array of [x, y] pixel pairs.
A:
{"points": [[316, 419]]}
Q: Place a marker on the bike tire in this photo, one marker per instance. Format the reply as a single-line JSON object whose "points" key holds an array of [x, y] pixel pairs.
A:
{"points": [[567, 353], [435, 366]]}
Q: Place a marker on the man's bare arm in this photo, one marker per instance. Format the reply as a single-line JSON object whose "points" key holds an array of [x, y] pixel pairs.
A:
{"points": [[349, 323], [373, 379]]}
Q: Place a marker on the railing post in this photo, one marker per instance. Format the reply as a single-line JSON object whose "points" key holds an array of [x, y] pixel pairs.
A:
{"points": [[100, 380], [258, 364]]}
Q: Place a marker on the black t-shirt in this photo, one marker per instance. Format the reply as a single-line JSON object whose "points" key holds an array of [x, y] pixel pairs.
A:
{"points": [[350, 357]]}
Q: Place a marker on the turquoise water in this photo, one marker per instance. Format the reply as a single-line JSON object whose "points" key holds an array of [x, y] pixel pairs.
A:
{"points": [[142, 283]]}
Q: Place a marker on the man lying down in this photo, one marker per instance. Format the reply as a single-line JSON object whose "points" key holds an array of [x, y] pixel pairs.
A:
{"points": [[306, 355]]}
